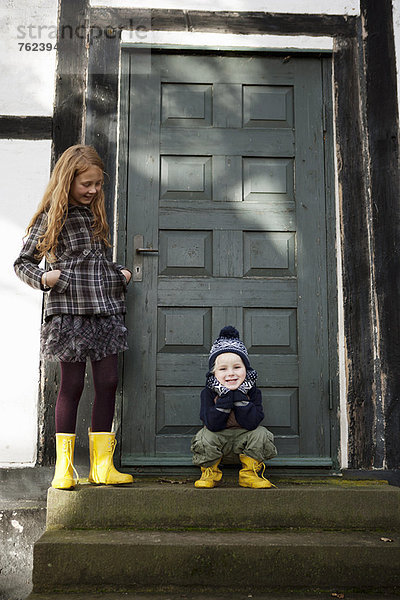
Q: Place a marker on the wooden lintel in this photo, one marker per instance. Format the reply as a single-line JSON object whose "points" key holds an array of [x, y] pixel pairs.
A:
{"points": [[223, 21]]}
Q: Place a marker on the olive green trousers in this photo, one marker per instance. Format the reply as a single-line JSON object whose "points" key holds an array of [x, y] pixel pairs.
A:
{"points": [[209, 446]]}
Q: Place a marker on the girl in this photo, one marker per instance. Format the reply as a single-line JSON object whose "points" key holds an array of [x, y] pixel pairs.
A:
{"points": [[83, 315]]}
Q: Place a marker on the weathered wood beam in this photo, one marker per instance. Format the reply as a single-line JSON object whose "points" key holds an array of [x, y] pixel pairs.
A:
{"points": [[72, 56], [356, 259], [26, 128], [383, 141], [224, 21]]}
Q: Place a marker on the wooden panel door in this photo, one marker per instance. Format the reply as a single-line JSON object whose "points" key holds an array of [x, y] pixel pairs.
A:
{"points": [[225, 188]]}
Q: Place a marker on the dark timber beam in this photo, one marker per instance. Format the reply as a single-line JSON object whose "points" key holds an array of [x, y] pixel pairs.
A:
{"points": [[26, 128], [72, 53], [356, 259], [223, 21], [383, 131]]}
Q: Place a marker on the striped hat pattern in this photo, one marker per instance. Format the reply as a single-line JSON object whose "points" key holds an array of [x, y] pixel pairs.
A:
{"points": [[228, 341]]}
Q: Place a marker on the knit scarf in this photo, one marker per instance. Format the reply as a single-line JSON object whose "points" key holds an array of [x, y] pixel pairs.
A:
{"points": [[248, 383]]}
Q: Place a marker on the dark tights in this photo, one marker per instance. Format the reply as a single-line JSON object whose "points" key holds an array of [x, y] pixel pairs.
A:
{"points": [[105, 379]]}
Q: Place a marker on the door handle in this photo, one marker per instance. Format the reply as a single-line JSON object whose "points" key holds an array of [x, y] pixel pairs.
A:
{"points": [[138, 251], [146, 250]]}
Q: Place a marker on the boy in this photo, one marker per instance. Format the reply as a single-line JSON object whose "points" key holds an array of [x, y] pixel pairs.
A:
{"points": [[231, 410]]}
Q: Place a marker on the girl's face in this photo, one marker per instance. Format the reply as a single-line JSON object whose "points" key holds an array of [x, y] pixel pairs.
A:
{"points": [[85, 186], [230, 370]]}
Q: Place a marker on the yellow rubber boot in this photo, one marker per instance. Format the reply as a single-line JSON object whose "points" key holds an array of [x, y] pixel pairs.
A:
{"points": [[102, 470], [248, 475], [209, 476], [64, 473]]}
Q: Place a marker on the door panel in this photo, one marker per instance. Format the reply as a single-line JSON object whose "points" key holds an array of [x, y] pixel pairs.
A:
{"points": [[226, 181]]}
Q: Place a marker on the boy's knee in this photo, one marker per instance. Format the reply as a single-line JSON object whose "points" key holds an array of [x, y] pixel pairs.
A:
{"points": [[269, 448], [205, 447], [258, 443]]}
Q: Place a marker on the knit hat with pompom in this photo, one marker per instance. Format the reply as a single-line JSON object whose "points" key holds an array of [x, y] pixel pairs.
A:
{"points": [[228, 341]]}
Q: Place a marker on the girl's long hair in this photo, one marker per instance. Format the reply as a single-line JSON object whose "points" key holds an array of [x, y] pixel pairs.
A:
{"points": [[74, 161]]}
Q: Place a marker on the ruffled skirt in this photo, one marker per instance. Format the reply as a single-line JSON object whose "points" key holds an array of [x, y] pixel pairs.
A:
{"points": [[74, 338]]}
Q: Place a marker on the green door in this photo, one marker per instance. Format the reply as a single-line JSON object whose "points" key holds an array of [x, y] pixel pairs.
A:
{"points": [[225, 226]]}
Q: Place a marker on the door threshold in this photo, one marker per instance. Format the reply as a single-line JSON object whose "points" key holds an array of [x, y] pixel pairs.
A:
{"points": [[183, 461]]}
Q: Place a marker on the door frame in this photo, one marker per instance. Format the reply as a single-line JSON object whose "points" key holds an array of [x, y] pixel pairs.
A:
{"points": [[331, 208]]}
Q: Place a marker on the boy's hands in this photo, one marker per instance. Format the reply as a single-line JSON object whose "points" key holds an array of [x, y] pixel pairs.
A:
{"points": [[225, 401], [239, 396]]}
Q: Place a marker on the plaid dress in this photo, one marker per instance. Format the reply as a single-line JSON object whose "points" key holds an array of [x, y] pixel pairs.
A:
{"points": [[74, 338], [83, 314]]}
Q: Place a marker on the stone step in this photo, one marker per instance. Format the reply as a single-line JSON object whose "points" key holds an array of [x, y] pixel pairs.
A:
{"points": [[158, 560], [21, 524], [290, 595], [170, 506]]}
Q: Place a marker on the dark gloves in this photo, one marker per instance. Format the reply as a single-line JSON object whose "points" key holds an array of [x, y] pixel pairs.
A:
{"points": [[231, 398], [239, 396], [225, 401]]}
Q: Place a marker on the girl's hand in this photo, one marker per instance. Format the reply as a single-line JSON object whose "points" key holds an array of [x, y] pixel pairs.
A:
{"points": [[50, 278], [127, 274]]}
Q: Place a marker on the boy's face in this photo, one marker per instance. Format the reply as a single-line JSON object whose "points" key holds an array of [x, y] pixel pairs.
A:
{"points": [[230, 370]]}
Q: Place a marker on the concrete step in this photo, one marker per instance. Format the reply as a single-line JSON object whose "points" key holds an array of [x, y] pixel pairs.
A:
{"points": [[214, 561], [21, 524], [170, 506], [292, 595]]}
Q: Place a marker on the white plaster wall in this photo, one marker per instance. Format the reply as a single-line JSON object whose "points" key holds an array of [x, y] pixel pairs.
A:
{"points": [[328, 7], [25, 172], [26, 89], [27, 76]]}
